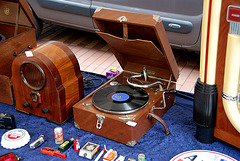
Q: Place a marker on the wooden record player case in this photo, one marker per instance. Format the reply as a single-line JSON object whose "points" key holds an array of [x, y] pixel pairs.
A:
{"points": [[17, 33], [138, 41]]}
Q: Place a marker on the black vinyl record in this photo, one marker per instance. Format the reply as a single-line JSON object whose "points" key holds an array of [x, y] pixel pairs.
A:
{"points": [[120, 99]]}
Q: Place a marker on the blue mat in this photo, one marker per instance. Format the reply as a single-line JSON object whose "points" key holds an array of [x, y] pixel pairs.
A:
{"points": [[154, 144]]}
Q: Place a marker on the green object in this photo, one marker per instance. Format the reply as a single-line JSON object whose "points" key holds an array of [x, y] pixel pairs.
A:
{"points": [[64, 146]]}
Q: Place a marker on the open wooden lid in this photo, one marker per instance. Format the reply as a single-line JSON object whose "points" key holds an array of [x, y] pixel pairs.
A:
{"points": [[11, 9], [138, 40]]}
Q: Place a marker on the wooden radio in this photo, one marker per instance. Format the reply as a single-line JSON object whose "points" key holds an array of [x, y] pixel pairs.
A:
{"points": [[17, 33], [47, 81]]}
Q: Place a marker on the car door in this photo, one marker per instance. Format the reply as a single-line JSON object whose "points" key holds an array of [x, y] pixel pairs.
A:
{"points": [[181, 18], [73, 13]]}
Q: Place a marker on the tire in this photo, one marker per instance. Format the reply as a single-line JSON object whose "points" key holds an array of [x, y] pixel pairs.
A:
{"points": [[39, 24]]}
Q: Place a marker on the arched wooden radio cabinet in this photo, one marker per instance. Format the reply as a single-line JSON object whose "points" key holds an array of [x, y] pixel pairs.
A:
{"points": [[47, 82]]}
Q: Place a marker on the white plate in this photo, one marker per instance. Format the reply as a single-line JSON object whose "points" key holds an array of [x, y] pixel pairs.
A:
{"points": [[202, 155], [15, 138]]}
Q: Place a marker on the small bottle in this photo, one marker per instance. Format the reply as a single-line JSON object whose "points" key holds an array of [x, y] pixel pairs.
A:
{"points": [[58, 134], [76, 144], [64, 146]]}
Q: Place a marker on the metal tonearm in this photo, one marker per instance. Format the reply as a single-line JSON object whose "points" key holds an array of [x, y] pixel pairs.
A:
{"points": [[144, 75]]}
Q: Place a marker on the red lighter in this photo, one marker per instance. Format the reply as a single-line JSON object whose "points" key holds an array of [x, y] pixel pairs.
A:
{"points": [[76, 144]]}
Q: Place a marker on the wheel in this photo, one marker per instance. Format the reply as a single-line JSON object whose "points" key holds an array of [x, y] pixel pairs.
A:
{"points": [[39, 24]]}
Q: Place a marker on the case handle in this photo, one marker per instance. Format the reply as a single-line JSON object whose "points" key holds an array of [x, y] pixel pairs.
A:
{"points": [[151, 114]]}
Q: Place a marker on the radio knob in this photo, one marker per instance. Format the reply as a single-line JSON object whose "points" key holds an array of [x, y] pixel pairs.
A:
{"points": [[45, 110], [25, 105]]}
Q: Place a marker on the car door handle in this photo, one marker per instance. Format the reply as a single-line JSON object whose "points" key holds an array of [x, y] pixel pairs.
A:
{"points": [[174, 26]]}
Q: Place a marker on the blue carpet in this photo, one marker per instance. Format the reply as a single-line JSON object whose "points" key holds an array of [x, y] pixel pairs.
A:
{"points": [[154, 144]]}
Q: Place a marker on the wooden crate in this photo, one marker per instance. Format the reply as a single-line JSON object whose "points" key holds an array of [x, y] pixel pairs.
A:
{"points": [[17, 31]]}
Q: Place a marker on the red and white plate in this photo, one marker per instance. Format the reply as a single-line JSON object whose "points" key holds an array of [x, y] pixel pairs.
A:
{"points": [[202, 155]]}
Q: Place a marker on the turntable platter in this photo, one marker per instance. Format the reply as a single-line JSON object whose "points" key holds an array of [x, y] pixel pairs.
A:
{"points": [[120, 99]]}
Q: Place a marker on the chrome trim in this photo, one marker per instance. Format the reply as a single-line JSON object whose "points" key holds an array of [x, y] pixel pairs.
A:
{"points": [[234, 28], [229, 98], [40, 69]]}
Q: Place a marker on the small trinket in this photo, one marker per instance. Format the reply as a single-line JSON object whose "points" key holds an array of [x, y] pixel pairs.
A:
{"points": [[37, 142]]}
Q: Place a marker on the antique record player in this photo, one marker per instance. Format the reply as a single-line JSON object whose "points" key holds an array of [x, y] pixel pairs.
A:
{"points": [[17, 33], [129, 104]]}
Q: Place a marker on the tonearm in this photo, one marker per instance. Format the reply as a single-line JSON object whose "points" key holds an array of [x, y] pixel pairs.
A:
{"points": [[144, 75]]}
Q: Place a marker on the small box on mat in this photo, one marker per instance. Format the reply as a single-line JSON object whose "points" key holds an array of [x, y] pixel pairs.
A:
{"points": [[7, 121], [11, 156], [111, 73], [126, 107]]}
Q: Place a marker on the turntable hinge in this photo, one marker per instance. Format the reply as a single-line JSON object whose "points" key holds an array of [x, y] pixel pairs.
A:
{"points": [[122, 19], [100, 120]]}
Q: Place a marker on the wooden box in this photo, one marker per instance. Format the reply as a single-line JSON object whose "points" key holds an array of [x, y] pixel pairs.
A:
{"points": [[47, 82], [138, 41], [17, 33]]}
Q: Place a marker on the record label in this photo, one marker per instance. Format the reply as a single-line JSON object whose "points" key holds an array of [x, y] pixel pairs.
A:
{"points": [[120, 99]]}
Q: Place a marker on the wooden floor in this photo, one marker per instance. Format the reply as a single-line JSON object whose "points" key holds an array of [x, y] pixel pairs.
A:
{"points": [[95, 56]]}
